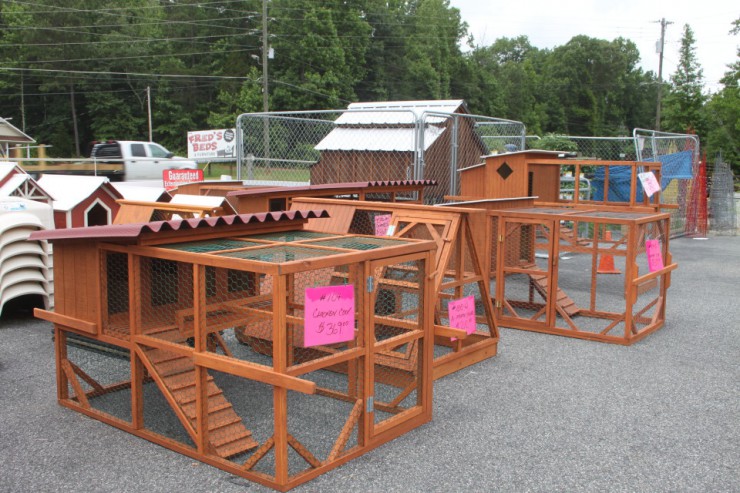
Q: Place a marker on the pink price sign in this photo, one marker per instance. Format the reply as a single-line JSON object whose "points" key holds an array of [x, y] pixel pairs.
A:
{"points": [[649, 183], [382, 221], [329, 315], [654, 255], [462, 314]]}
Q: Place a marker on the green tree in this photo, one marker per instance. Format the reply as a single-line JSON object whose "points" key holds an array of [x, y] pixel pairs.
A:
{"points": [[589, 80], [683, 106], [432, 51], [319, 53], [722, 113]]}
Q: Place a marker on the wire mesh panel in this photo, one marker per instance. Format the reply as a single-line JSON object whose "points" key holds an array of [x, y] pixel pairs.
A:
{"points": [[525, 285], [724, 202], [652, 254], [398, 354], [116, 300], [97, 376], [165, 294]]}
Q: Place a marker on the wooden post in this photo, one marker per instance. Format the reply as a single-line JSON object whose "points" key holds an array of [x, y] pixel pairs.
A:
{"points": [[201, 382], [368, 361], [280, 364], [60, 354]]}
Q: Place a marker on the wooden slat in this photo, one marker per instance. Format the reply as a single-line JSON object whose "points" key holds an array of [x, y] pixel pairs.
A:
{"points": [[254, 372], [71, 322]]}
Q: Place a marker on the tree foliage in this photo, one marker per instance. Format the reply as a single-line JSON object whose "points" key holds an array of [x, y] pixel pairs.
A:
{"points": [[722, 114], [683, 104], [75, 71]]}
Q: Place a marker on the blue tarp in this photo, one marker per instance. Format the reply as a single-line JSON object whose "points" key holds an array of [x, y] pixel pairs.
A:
{"points": [[678, 165], [619, 184]]}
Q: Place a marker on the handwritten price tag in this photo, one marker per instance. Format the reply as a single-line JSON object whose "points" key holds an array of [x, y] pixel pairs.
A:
{"points": [[649, 183], [329, 315], [654, 255], [462, 314], [382, 221]]}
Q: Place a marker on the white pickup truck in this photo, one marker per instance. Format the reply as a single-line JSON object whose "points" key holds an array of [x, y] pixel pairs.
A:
{"points": [[136, 160]]}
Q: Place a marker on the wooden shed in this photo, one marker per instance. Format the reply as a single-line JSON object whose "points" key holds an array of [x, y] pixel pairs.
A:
{"points": [[311, 390], [380, 143], [81, 201]]}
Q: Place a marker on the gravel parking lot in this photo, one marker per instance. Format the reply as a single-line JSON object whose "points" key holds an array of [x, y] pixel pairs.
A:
{"points": [[547, 414]]}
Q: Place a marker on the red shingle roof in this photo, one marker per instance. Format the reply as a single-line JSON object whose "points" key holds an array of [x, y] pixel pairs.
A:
{"points": [[135, 230]]}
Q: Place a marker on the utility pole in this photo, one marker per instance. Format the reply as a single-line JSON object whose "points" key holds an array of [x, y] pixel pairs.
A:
{"points": [[149, 110], [265, 87], [265, 49], [660, 44]]}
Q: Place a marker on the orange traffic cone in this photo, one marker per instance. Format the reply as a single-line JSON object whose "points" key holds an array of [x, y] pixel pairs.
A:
{"points": [[606, 262]]}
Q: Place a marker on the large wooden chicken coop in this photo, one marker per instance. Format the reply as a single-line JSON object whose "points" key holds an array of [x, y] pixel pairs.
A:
{"points": [[333, 355], [564, 262]]}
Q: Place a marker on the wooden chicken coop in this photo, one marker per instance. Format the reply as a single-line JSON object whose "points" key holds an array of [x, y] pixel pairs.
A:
{"points": [[563, 262], [460, 275], [323, 321]]}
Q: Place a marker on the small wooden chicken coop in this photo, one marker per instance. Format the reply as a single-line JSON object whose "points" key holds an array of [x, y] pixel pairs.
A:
{"points": [[316, 385]]}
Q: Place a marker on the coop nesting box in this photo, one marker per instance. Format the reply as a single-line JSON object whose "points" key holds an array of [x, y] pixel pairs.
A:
{"points": [[246, 341]]}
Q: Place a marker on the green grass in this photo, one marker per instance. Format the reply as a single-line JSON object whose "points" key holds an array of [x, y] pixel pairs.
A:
{"points": [[215, 170]]}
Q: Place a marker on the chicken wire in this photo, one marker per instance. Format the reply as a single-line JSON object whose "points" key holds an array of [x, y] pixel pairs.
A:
{"points": [[594, 259], [724, 202], [237, 309]]}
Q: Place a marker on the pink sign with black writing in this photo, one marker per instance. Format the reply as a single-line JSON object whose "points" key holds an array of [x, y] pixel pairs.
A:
{"points": [[329, 315], [382, 221], [462, 314], [654, 255], [649, 183]]}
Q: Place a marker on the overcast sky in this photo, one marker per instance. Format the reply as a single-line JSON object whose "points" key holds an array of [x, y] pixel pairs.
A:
{"points": [[549, 23]]}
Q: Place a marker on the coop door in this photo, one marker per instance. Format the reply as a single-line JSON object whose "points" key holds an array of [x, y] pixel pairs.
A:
{"points": [[396, 366], [525, 288]]}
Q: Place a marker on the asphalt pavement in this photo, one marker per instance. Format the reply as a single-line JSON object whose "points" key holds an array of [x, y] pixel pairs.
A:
{"points": [[547, 414]]}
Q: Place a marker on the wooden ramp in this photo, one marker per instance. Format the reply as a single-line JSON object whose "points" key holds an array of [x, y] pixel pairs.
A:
{"points": [[175, 375], [563, 301]]}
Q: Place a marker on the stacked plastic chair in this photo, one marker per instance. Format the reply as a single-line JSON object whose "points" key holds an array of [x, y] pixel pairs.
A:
{"points": [[25, 266]]}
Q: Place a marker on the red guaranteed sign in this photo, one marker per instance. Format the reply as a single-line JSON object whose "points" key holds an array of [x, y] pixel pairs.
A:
{"points": [[171, 178]]}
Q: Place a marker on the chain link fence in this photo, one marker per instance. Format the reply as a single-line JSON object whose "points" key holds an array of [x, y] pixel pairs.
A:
{"points": [[353, 145], [418, 142]]}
